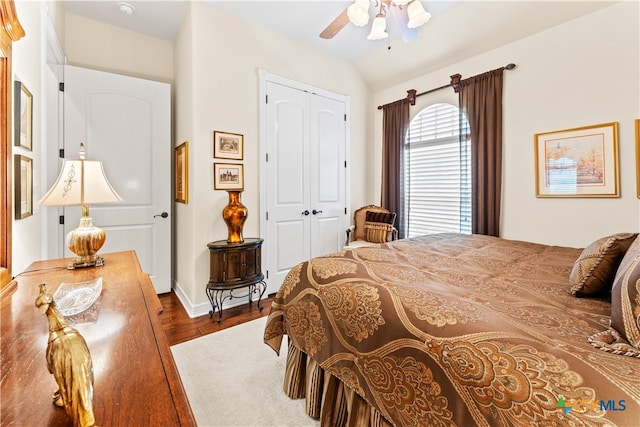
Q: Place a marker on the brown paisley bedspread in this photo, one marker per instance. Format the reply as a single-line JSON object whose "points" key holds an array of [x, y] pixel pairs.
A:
{"points": [[462, 330]]}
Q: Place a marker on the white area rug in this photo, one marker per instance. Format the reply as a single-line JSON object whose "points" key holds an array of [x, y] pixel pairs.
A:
{"points": [[233, 379]]}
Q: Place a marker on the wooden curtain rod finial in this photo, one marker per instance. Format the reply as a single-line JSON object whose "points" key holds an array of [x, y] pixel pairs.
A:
{"points": [[455, 82], [411, 96]]}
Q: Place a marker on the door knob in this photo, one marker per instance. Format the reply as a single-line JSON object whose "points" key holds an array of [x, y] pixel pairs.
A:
{"points": [[315, 212], [163, 215], [305, 212]]}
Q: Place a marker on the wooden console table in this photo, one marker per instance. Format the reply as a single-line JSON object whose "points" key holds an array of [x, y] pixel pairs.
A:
{"points": [[234, 266], [136, 379]]}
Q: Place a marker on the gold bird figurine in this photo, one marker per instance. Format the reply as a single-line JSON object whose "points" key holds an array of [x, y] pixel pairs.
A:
{"points": [[69, 360]]}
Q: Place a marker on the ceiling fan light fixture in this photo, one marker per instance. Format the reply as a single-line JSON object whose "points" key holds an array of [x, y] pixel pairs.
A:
{"points": [[126, 8], [378, 28], [417, 15], [358, 13]]}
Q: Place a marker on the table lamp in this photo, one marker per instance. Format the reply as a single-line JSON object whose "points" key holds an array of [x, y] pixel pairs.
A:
{"points": [[82, 182]]}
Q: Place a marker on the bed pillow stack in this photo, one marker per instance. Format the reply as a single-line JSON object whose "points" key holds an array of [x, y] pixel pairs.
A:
{"points": [[378, 226], [594, 270], [623, 336]]}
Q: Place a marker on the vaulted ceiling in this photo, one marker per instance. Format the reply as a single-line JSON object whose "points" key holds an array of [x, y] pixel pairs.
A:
{"points": [[458, 29]]}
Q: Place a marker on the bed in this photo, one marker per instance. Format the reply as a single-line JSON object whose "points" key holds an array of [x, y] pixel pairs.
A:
{"points": [[453, 329]]}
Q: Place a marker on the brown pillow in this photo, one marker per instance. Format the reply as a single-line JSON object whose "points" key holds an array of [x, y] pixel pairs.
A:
{"points": [[623, 337], [387, 218], [594, 270], [377, 232], [378, 225]]}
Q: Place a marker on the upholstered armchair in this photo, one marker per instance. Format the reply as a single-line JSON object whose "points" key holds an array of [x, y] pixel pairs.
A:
{"points": [[372, 225]]}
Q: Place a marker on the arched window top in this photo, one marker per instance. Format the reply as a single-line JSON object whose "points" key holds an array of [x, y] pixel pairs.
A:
{"points": [[435, 122], [437, 172]]}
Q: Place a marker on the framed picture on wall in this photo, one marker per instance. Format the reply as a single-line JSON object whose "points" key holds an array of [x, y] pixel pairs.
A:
{"points": [[579, 162], [23, 116], [182, 173], [23, 177], [228, 145], [228, 176]]}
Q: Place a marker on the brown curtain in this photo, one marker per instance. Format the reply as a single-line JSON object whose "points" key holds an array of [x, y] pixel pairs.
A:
{"points": [[395, 124], [480, 99]]}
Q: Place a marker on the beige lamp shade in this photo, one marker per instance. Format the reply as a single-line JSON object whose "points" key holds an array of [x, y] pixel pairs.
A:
{"points": [[81, 182]]}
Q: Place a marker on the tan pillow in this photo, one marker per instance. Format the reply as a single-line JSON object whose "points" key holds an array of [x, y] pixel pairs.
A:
{"points": [[594, 270], [377, 232], [623, 337]]}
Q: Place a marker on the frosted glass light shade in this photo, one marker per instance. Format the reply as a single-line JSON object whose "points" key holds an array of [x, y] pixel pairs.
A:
{"points": [[417, 15], [358, 13], [81, 182], [378, 28]]}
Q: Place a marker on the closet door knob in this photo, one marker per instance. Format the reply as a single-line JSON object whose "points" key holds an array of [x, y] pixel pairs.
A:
{"points": [[315, 212], [163, 215], [305, 212]]}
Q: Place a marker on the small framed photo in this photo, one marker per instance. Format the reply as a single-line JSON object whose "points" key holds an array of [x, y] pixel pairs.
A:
{"points": [[23, 116], [228, 176], [23, 176], [182, 173], [579, 162], [227, 145]]}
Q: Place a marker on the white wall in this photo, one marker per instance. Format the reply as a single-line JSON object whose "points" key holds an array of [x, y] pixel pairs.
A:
{"points": [[226, 56], [92, 44], [580, 73], [27, 62]]}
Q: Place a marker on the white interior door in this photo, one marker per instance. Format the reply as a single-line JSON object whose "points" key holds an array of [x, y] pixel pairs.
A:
{"points": [[305, 191], [126, 123], [288, 199], [328, 169]]}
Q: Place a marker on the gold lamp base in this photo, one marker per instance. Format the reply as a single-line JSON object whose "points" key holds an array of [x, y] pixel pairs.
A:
{"points": [[85, 241]]}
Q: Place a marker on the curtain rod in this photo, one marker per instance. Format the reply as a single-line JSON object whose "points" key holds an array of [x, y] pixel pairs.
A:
{"points": [[455, 83]]}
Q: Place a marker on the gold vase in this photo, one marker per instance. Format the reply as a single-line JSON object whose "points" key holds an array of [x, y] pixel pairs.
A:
{"points": [[234, 215]]}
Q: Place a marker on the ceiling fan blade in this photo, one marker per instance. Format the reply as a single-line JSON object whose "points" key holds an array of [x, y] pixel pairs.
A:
{"points": [[402, 19], [335, 26]]}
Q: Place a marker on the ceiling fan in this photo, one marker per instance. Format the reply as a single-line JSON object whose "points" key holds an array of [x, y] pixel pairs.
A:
{"points": [[408, 14]]}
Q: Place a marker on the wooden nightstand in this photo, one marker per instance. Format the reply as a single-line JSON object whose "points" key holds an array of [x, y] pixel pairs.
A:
{"points": [[234, 266]]}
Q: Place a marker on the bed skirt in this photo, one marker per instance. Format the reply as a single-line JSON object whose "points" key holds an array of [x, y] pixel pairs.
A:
{"points": [[327, 398]]}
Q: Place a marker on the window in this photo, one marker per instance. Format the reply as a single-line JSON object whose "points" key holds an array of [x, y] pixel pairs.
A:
{"points": [[438, 172]]}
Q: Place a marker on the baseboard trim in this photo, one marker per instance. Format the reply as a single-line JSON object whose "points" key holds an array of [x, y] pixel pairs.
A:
{"points": [[203, 308]]}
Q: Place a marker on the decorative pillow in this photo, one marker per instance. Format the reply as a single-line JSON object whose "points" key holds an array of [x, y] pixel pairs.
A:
{"points": [[385, 217], [378, 225], [623, 337], [594, 270]]}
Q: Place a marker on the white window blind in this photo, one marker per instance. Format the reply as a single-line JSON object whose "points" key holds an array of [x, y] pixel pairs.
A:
{"points": [[438, 176]]}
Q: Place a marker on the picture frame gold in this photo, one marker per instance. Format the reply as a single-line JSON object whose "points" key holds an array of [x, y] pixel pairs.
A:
{"points": [[227, 145], [578, 162], [182, 173], [23, 116], [228, 176], [638, 158], [23, 182]]}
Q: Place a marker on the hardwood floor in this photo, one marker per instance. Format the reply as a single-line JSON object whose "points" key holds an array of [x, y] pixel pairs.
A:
{"points": [[179, 327]]}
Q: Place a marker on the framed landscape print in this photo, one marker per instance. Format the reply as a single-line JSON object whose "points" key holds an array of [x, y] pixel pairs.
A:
{"points": [[579, 162], [23, 116], [228, 176], [227, 145], [23, 176], [182, 173]]}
